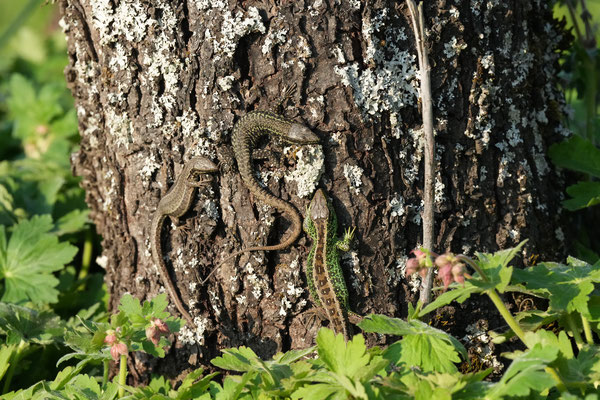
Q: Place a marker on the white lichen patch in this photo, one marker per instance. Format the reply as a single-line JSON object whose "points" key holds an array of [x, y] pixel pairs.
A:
{"points": [[196, 139], [391, 83], [479, 339], [454, 47], [149, 166], [234, 27], [439, 190], [353, 174], [225, 82], [191, 335], [277, 34], [128, 19], [397, 206], [259, 285], [309, 168], [211, 209]]}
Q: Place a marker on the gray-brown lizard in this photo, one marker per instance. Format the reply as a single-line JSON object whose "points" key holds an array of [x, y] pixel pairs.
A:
{"points": [[173, 205], [246, 133]]}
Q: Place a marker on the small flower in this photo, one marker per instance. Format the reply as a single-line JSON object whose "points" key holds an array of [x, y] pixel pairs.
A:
{"points": [[111, 337], [117, 350], [450, 269], [412, 266], [162, 327], [458, 272], [420, 263], [156, 329], [445, 274]]}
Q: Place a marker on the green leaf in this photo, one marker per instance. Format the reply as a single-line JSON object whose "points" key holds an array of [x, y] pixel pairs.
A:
{"points": [[239, 359], [584, 194], [458, 293], [28, 260], [495, 268], [130, 305], [73, 221], [6, 352], [194, 385], [568, 287], [526, 373], [577, 154], [25, 324], [422, 345], [341, 357]]}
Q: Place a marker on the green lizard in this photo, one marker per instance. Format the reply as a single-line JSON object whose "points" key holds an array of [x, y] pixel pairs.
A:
{"points": [[323, 272], [173, 205]]}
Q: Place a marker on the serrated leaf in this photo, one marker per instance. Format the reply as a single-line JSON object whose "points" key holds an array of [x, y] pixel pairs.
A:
{"points": [[496, 269], [73, 221], [239, 359], [422, 345], [28, 259], [526, 374], [568, 287], [578, 154], [584, 194], [130, 306], [21, 323], [341, 357]]}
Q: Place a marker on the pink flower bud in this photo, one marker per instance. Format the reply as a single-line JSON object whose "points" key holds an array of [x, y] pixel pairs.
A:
{"points": [[153, 334], [445, 274], [110, 338], [117, 350], [458, 272], [412, 266], [162, 327]]}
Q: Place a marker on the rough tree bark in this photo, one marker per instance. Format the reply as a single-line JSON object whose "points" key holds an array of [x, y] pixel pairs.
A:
{"points": [[156, 82]]}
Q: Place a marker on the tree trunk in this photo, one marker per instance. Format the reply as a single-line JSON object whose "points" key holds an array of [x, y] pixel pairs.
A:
{"points": [[157, 82]]}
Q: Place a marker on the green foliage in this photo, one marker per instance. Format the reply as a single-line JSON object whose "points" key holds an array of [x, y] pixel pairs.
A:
{"points": [[568, 287], [422, 345], [583, 156], [28, 258], [44, 290]]}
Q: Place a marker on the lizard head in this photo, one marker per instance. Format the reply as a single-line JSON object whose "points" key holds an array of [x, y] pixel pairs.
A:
{"points": [[300, 134], [319, 207], [202, 165]]}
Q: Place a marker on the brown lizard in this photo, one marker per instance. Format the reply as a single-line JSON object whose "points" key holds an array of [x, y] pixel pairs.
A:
{"points": [[246, 133], [173, 205]]}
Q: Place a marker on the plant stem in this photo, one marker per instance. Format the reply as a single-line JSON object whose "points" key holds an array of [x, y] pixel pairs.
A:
{"points": [[14, 362], [86, 257], [418, 21], [473, 265], [560, 385], [105, 374], [575, 330], [587, 330], [514, 325], [122, 374]]}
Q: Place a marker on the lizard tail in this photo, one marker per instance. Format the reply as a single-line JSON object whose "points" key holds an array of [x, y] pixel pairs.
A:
{"points": [[289, 209], [157, 222]]}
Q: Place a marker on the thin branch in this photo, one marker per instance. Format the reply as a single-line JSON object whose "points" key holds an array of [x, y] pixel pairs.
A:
{"points": [[418, 21]]}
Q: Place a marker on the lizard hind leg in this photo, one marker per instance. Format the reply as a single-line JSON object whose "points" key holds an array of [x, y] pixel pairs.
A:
{"points": [[287, 93]]}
